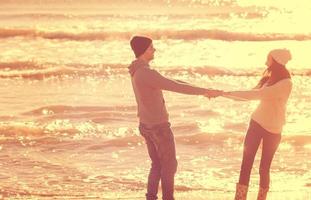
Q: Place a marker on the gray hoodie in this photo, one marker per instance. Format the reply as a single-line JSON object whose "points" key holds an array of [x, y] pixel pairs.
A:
{"points": [[148, 85]]}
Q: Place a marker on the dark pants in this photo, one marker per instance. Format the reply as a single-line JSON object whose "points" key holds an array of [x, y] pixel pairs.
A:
{"points": [[161, 148], [271, 141]]}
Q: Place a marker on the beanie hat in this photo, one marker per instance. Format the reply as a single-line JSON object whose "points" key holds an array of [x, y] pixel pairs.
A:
{"points": [[140, 44], [281, 56]]}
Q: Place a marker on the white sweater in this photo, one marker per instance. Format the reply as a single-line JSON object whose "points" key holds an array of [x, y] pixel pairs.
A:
{"points": [[271, 112]]}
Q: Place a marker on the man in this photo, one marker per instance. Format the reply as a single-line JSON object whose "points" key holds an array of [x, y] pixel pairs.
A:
{"points": [[153, 117]]}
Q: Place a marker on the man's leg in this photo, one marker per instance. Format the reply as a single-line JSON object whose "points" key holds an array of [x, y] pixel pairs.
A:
{"points": [[155, 170], [167, 154]]}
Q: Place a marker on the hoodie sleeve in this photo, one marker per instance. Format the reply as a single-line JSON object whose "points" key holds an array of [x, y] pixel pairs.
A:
{"points": [[275, 91], [156, 80]]}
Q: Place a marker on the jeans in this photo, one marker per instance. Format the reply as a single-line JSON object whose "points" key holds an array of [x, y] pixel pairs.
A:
{"points": [[161, 149], [271, 141]]}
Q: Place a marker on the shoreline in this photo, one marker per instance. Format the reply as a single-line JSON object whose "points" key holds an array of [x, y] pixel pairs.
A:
{"points": [[215, 195]]}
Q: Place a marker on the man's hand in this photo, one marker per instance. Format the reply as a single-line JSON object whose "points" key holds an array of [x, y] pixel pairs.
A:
{"points": [[214, 93]]}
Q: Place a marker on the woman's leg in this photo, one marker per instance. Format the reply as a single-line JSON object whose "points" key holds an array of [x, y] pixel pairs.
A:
{"points": [[251, 144], [270, 144]]}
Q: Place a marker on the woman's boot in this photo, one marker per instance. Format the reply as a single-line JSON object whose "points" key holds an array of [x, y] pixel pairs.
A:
{"points": [[241, 192], [262, 193]]}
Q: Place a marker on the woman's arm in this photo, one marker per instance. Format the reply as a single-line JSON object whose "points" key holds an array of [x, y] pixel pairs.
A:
{"points": [[279, 89], [229, 96]]}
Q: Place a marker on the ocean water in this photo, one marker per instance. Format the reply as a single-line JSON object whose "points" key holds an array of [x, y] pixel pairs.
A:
{"points": [[68, 127]]}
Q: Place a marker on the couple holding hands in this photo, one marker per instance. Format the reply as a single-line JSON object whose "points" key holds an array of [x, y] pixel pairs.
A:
{"points": [[272, 90]]}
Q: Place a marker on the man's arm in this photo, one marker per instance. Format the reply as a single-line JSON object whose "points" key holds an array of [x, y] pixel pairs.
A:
{"points": [[156, 80], [179, 81]]}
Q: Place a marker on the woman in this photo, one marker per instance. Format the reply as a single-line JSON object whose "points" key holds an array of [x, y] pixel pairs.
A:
{"points": [[266, 122]]}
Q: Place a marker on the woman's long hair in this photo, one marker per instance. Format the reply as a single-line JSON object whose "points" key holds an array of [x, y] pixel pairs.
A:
{"points": [[273, 74]]}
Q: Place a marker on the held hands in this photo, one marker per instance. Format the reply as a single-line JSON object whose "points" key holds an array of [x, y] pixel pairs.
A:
{"points": [[213, 93]]}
